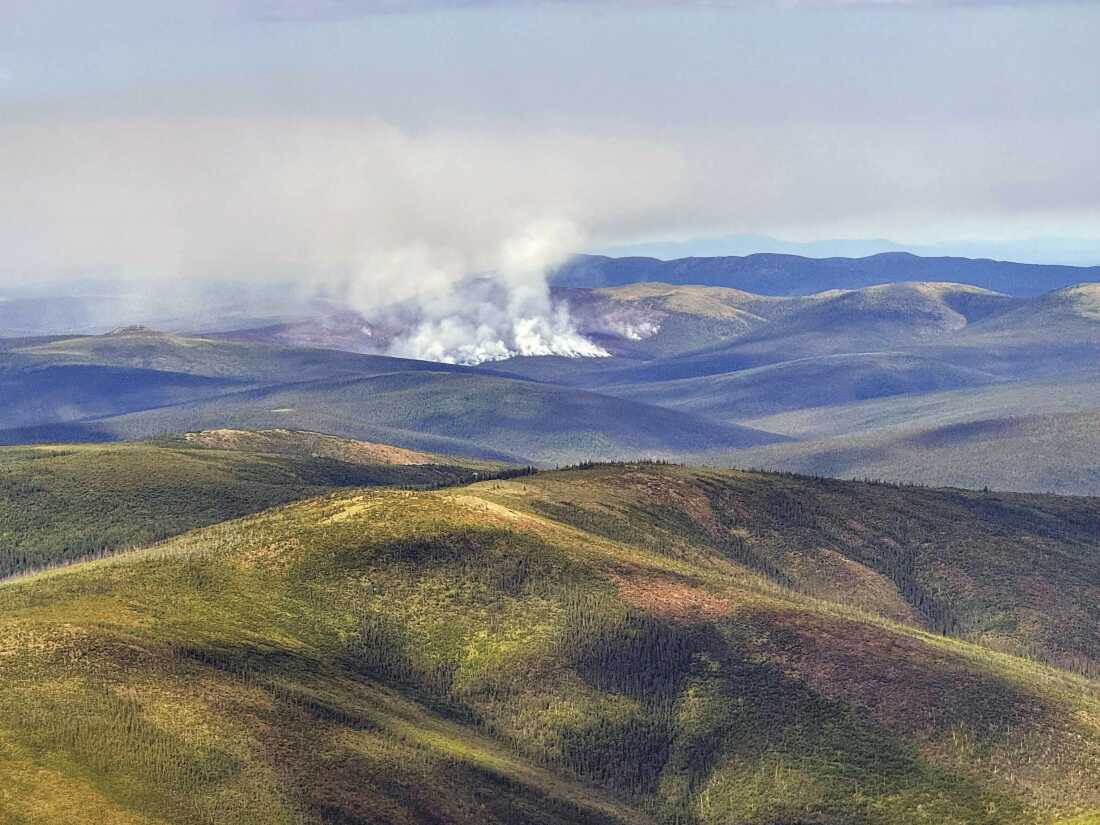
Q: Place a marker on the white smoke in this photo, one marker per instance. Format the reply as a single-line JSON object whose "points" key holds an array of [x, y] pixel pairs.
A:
{"points": [[633, 324], [632, 331], [508, 312], [595, 316], [461, 339], [373, 217]]}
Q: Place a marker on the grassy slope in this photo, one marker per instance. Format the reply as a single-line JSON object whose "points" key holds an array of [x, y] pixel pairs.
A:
{"points": [[981, 566], [64, 502], [474, 656]]}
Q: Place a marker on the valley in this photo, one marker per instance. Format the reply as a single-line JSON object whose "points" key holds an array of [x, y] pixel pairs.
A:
{"points": [[849, 382]]}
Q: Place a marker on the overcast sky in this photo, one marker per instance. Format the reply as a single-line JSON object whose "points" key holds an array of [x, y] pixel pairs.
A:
{"points": [[265, 135]]}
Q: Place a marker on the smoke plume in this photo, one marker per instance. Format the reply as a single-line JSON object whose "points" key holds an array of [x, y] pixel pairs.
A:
{"points": [[444, 238]]}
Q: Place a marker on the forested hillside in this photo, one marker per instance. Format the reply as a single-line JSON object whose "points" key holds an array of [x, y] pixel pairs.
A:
{"points": [[636, 643]]}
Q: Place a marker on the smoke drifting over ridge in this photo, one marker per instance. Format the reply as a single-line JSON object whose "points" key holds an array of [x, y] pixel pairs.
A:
{"points": [[375, 217]]}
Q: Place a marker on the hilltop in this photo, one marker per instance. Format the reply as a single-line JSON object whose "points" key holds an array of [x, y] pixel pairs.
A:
{"points": [[778, 274], [616, 644], [65, 502]]}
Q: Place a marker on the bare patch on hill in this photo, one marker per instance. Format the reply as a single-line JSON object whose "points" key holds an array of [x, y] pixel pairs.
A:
{"points": [[837, 577], [672, 598], [900, 681]]}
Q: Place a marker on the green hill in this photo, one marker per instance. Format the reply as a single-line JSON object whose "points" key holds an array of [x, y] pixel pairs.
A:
{"points": [[624, 644], [63, 502]]}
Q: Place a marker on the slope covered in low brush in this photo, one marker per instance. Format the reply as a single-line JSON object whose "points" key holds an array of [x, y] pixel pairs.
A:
{"points": [[624, 644], [61, 502], [1018, 572]]}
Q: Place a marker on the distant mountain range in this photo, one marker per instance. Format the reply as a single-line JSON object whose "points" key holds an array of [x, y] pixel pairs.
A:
{"points": [[1040, 250], [932, 382], [775, 274]]}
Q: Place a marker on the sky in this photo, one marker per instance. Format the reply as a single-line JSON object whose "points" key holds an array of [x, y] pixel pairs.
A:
{"points": [[324, 139]]}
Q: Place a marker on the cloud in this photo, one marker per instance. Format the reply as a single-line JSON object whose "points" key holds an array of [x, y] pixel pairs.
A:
{"points": [[269, 196], [337, 9], [60, 13], [387, 214]]}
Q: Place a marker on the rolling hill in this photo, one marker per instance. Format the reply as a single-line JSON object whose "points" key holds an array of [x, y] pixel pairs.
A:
{"points": [[661, 320], [629, 644], [178, 383], [63, 502], [1058, 453], [951, 322], [1073, 393], [1024, 435], [213, 357], [935, 383], [775, 274], [462, 414], [804, 383], [699, 373], [1073, 312], [35, 396]]}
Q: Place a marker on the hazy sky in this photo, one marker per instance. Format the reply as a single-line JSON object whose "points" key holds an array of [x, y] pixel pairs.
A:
{"points": [[259, 136]]}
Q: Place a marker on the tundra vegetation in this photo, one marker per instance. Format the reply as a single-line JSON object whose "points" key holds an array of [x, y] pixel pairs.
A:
{"points": [[610, 643]]}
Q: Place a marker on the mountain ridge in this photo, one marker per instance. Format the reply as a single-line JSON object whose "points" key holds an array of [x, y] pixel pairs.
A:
{"points": [[777, 274]]}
